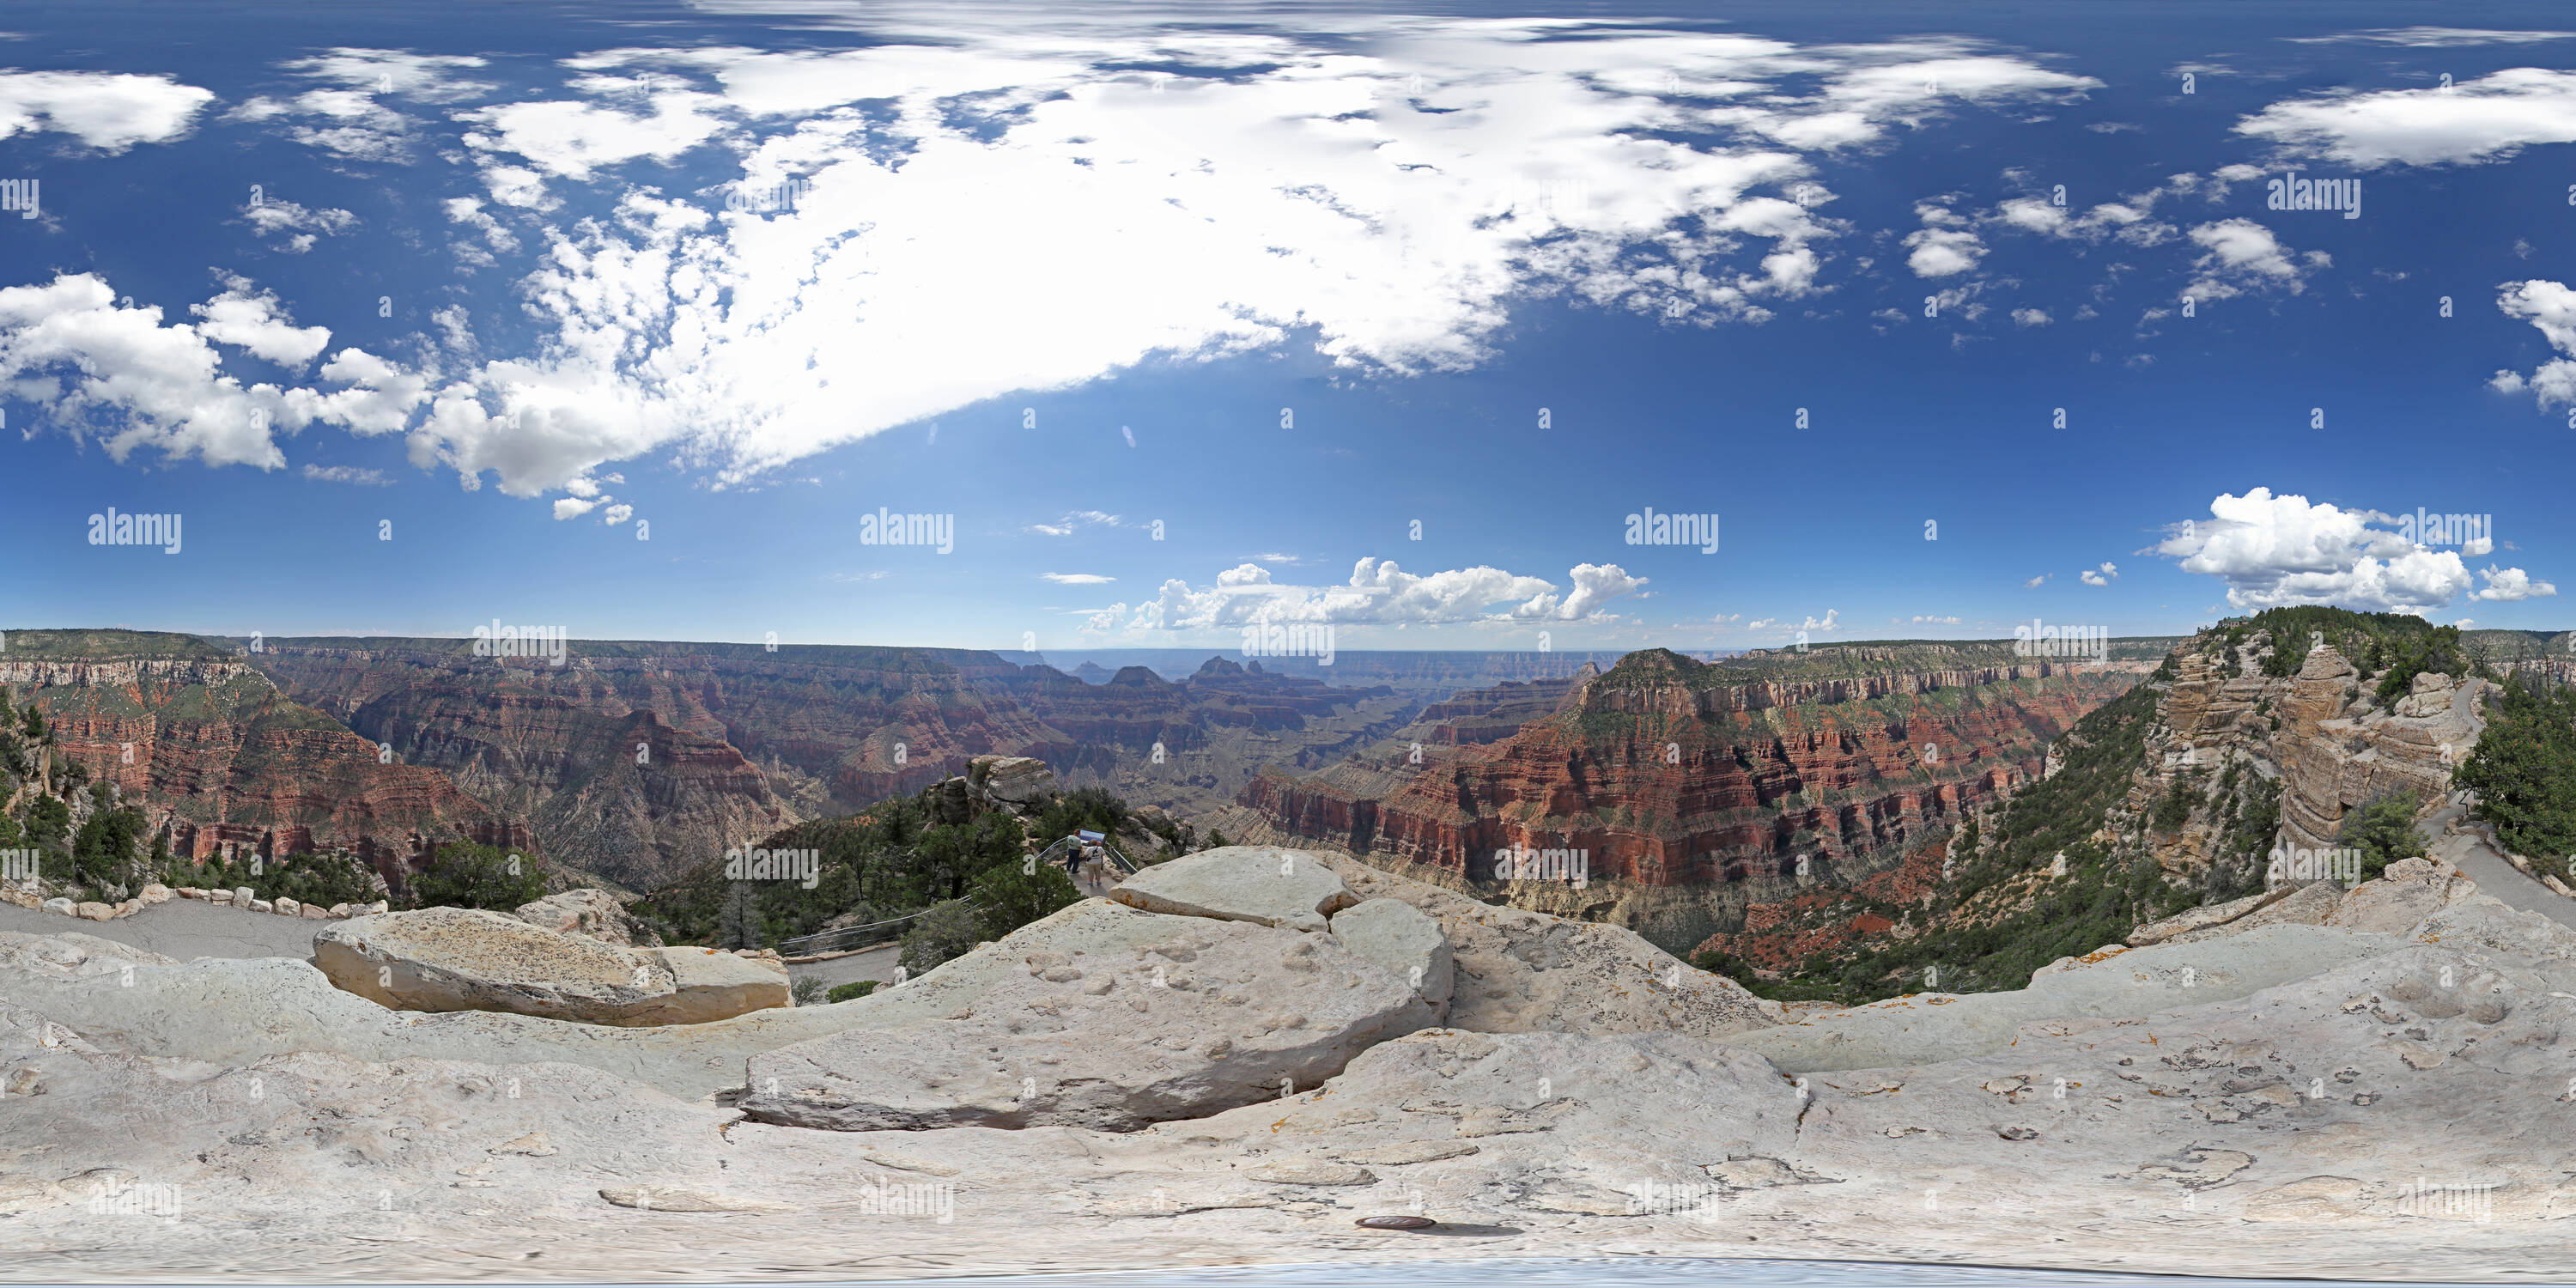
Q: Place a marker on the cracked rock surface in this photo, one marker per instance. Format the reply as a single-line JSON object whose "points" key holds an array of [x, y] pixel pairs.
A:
{"points": [[2357, 1103]]}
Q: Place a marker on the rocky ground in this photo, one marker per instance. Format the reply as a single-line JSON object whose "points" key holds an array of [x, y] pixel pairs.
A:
{"points": [[2361, 1085]]}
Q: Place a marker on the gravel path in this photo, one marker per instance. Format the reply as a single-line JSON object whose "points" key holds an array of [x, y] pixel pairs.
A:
{"points": [[182, 928], [2495, 876], [875, 963], [186, 929]]}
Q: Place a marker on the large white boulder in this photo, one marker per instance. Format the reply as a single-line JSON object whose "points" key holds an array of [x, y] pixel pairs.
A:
{"points": [[1262, 884], [1404, 940], [1518, 971], [1100, 1016], [457, 959], [592, 914]]}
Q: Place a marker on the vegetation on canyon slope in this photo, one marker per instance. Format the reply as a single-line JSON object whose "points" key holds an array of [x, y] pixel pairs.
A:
{"points": [[2524, 769], [915, 854], [2008, 907]]}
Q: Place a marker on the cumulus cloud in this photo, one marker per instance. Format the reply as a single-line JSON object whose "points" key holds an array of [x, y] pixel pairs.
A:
{"points": [[2243, 257], [1391, 189], [104, 110], [348, 116], [1945, 246], [252, 320], [2030, 317], [1077, 578], [2510, 584], [2275, 551], [269, 217], [2489, 118], [2550, 306], [69, 348], [1921, 620], [2102, 576], [2038, 581], [1378, 593]]}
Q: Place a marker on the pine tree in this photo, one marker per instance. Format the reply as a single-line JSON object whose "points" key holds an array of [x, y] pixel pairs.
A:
{"points": [[738, 925]]}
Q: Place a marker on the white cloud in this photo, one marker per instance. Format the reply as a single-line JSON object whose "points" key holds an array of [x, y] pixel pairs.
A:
{"points": [[253, 320], [1075, 522], [2280, 550], [2550, 306], [1944, 246], [2434, 37], [68, 347], [1378, 594], [617, 514], [2036, 582], [571, 139], [2102, 576], [1311, 189], [1386, 189], [1921, 620], [269, 217], [2510, 584], [573, 507], [2243, 257], [349, 119], [104, 110], [1077, 578], [347, 474], [2486, 119], [2031, 317]]}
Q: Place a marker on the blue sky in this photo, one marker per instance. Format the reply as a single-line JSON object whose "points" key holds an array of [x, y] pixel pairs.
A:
{"points": [[1515, 274]]}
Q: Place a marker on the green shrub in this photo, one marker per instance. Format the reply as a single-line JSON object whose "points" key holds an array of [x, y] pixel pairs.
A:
{"points": [[2384, 832], [323, 880], [945, 931], [1011, 895], [2524, 768], [476, 876], [844, 992]]}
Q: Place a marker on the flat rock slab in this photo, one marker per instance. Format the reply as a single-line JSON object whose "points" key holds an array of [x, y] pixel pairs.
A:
{"points": [[1403, 939], [1264, 885], [1101, 1016], [1518, 971], [456, 959]]}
